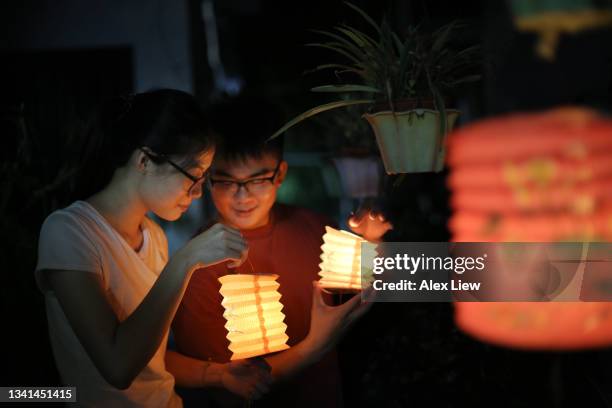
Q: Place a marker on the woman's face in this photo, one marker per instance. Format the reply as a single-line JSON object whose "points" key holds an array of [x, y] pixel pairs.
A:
{"points": [[165, 190]]}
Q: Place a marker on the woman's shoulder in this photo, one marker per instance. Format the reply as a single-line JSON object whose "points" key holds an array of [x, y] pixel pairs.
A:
{"points": [[71, 217], [79, 223], [68, 241]]}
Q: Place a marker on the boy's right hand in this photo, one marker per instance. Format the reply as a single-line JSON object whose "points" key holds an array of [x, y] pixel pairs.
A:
{"points": [[249, 379], [329, 323], [218, 244]]}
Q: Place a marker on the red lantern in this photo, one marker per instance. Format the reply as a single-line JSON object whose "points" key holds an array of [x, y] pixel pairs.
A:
{"points": [[534, 178]]}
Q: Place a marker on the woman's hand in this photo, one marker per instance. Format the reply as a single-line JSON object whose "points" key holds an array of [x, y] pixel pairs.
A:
{"points": [[329, 323], [217, 244], [250, 379]]}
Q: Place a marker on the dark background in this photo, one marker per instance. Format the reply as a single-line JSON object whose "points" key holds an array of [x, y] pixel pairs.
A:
{"points": [[60, 58]]}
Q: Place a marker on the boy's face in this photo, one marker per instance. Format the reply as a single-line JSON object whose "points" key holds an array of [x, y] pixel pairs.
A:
{"points": [[247, 206]]}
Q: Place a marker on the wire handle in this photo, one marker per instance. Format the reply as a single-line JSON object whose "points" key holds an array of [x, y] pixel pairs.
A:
{"points": [[235, 270], [251, 264]]}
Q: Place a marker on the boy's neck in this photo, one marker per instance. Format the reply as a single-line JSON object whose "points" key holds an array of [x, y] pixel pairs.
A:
{"points": [[262, 224]]}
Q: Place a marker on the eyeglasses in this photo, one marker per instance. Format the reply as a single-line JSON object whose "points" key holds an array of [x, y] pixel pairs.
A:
{"points": [[196, 186], [254, 186]]}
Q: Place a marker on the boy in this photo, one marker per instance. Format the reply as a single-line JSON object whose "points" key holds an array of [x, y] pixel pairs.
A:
{"points": [[283, 240]]}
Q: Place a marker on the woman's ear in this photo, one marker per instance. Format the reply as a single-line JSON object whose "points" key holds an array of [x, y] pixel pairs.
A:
{"points": [[141, 159], [282, 172]]}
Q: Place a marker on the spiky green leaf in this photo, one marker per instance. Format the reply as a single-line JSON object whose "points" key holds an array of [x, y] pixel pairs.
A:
{"points": [[346, 88], [441, 36], [350, 46], [315, 111], [365, 16], [341, 69]]}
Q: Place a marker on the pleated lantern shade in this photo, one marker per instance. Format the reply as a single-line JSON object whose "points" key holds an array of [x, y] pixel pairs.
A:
{"points": [[254, 315], [341, 259]]}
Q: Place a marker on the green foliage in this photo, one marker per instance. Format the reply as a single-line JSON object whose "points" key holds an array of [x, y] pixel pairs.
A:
{"points": [[316, 110], [388, 67]]}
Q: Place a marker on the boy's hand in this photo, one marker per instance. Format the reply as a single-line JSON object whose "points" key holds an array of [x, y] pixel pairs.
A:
{"points": [[329, 323], [250, 379], [370, 224], [218, 244]]}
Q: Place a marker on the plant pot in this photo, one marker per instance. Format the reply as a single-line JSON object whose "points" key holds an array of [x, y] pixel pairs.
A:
{"points": [[410, 141]]}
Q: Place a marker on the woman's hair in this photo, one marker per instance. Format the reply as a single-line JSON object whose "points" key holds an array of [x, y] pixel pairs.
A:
{"points": [[168, 122]]}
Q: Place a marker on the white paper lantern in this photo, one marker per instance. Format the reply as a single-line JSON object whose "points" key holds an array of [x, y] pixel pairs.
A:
{"points": [[253, 312], [342, 258]]}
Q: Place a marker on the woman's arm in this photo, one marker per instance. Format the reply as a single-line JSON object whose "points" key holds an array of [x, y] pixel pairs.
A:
{"points": [[120, 350]]}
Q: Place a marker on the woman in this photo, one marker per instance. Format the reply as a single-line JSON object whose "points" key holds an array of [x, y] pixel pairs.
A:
{"points": [[110, 289]]}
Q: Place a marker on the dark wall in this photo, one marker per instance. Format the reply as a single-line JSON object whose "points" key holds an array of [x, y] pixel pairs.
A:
{"points": [[45, 94]]}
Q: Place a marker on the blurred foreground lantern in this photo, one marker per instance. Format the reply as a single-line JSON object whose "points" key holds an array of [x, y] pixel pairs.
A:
{"points": [[550, 18], [342, 259], [534, 178], [253, 313]]}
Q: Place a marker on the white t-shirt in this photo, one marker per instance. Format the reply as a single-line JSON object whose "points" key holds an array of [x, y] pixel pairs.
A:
{"points": [[78, 238]]}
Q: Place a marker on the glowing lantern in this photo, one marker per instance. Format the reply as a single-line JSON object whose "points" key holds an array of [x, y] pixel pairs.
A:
{"points": [[342, 260], [253, 313], [534, 178]]}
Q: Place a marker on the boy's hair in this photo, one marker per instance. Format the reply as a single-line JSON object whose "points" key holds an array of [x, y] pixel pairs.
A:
{"points": [[242, 125]]}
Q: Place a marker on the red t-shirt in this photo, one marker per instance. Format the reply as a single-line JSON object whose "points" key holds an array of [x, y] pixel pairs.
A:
{"points": [[289, 246]]}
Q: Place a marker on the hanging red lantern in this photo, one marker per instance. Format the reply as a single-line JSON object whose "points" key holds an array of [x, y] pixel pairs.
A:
{"points": [[539, 177], [551, 18]]}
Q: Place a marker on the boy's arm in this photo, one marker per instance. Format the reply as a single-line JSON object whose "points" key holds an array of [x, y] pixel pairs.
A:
{"points": [[192, 373], [327, 325], [246, 378], [287, 363]]}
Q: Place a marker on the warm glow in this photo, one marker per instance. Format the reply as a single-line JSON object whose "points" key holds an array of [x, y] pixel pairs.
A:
{"points": [[342, 258], [253, 313], [534, 177]]}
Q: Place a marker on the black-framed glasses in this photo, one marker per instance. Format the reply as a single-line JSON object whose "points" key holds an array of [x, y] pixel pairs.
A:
{"points": [[253, 186], [197, 182]]}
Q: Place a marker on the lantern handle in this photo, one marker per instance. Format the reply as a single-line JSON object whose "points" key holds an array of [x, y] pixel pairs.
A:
{"points": [[235, 270], [251, 265]]}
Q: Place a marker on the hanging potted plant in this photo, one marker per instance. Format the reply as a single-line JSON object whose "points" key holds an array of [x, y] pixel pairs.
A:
{"points": [[405, 81]]}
